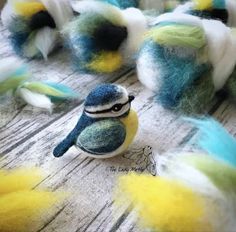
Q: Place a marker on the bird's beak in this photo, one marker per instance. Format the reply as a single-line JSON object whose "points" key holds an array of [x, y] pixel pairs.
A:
{"points": [[131, 98]]}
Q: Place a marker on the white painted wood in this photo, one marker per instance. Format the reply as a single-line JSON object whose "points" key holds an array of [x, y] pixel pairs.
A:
{"points": [[28, 137]]}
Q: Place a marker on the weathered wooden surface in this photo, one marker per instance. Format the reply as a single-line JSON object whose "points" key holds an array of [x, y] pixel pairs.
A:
{"points": [[27, 138]]}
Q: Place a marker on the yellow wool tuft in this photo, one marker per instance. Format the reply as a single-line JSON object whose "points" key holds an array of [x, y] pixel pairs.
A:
{"points": [[106, 62], [203, 4], [22, 206], [165, 205], [28, 9], [20, 210], [131, 124], [21, 179], [178, 35]]}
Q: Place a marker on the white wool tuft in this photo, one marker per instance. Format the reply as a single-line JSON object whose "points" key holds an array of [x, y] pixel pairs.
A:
{"points": [[35, 99], [231, 7], [222, 50], [8, 66], [137, 26], [148, 71], [89, 6], [7, 14], [222, 217], [179, 18], [184, 7], [60, 10], [45, 40], [177, 169]]}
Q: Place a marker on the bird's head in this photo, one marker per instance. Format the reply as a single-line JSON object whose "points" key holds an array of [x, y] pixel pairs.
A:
{"points": [[108, 101]]}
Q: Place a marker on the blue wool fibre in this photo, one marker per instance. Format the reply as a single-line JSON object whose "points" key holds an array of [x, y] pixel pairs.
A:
{"points": [[19, 34], [67, 92], [176, 73], [70, 140], [215, 140], [108, 144], [123, 4], [219, 4], [104, 136], [80, 39], [103, 94]]}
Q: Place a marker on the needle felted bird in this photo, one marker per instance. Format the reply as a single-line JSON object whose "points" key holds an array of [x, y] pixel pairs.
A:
{"points": [[107, 125]]}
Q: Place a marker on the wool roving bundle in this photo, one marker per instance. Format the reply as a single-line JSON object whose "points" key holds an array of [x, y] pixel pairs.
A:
{"points": [[104, 37], [224, 10], [107, 125], [194, 192], [186, 60], [13, 78], [34, 25], [21, 205]]}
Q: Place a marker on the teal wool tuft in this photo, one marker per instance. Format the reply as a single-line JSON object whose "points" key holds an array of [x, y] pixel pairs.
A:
{"points": [[215, 140], [123, 4], [14, 77]]}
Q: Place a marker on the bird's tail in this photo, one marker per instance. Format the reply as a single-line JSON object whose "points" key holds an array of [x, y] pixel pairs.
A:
{"points": [[64, 146]]}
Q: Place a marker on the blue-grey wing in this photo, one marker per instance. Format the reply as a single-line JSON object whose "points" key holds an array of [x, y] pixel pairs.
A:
{"points": [[102, 137]]}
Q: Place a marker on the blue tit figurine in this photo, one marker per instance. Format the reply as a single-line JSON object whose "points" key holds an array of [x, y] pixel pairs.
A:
{"points": [[107, 125]]}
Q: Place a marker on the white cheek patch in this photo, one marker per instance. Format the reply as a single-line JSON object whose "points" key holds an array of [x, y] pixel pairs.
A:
{"points": [[111, 114]]}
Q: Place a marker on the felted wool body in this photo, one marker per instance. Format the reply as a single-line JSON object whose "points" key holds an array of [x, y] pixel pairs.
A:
{"points": [[103, 38], [107, 126], [223, 10], [194, 192], [186, 60], [34, 25], [14, 78], [21, 207]]}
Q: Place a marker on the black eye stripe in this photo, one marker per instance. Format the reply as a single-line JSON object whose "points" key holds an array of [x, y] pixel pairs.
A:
{"points": [[108, 110]]}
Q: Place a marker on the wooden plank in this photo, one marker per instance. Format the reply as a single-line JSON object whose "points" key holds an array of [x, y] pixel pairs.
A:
{"points": [[94, 179], [91, 209], [27, 138]]}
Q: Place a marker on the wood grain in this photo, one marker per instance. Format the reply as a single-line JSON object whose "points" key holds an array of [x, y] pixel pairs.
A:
{"points": [[28, 136]]}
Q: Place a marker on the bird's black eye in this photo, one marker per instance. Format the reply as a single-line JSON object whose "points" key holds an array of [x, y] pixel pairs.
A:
{"points": [[117, 107]]}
